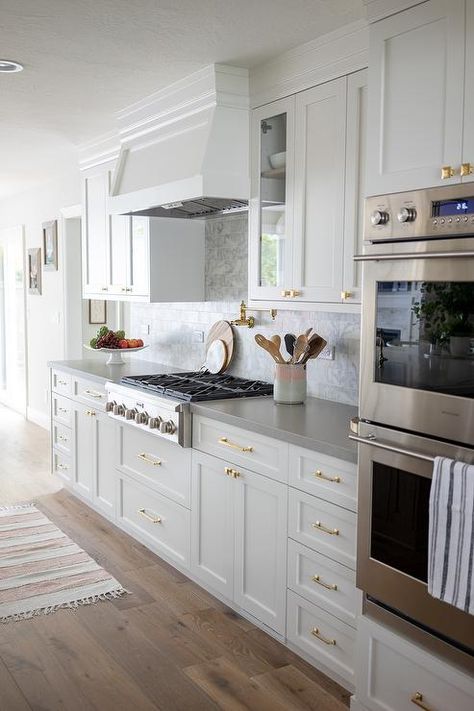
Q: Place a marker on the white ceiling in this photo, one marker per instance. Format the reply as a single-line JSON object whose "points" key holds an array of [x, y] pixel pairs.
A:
{"points": [[85, 59]]}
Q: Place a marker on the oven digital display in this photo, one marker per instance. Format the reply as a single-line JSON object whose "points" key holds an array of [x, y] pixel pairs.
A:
{"points": [[461, 206]]}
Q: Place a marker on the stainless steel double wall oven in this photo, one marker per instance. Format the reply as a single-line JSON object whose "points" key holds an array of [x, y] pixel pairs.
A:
{"points": [[417, 398]]}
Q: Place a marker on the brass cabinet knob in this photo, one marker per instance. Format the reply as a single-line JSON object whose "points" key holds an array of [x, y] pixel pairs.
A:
{"points": [[447, 172], [418, 700], [285, 292], [346, 295], [466, 169], [294, 293]]}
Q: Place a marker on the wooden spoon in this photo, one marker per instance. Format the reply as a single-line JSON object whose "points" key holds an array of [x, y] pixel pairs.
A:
{"points": [[270, 347], [301, 346], [316, 345]]}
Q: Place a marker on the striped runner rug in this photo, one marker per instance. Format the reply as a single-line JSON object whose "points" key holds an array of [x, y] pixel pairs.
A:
{"points": [[42, 570]]}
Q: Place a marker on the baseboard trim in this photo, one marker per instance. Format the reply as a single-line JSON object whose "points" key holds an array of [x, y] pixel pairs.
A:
{"points": [[38, 418]]}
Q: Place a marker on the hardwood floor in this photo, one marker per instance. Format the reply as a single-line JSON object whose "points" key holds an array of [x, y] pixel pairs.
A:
{"points": [[169, 646]]}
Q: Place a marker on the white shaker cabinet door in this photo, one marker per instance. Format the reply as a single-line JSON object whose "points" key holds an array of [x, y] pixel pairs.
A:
{"points": [[83, 449], [139, 257], [95, 234], [260, 547], [119, 254], [354, 194], [416, 86], [212, 524], [104, 444], [319, 191]]}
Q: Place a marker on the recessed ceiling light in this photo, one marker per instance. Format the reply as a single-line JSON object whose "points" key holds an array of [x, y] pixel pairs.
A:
{"points": [[7, 66]]}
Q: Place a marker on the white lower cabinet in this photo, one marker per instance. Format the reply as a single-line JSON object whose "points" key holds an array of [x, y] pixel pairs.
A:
{"points": [[322, 637], [103, 471], [323, 581], [83, 455], [239, 535], [394, 674], [155, 520]]}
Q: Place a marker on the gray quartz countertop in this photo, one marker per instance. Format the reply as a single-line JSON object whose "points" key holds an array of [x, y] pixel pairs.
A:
{"points": [[321, 425], [96, 369]]}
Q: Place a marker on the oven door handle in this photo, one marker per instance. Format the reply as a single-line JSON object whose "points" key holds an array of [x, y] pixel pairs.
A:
{"points": [[390, 447], [410, 255]]}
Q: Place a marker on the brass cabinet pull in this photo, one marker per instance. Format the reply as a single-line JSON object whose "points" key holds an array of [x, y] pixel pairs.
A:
{"points": [[319, 475], [91, 413], [447, 172], [328, 586], [466, 169], [290, 293], [93, 393], [346, 295], [232, 445], [321, 527], [417, 699], [62, 466], [149, 460], [232, 472], [150, 517], [316, 633], [285, 292]]}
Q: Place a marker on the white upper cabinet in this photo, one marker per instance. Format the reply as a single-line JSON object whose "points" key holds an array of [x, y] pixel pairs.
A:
{"points": [[138, 258], [306, 215], [319, 191], [468, 133], [416, 97], [271, 202], [95, 232]]}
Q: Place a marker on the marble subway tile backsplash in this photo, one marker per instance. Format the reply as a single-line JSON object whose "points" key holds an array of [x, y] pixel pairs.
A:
{"points": [[174, 327]]}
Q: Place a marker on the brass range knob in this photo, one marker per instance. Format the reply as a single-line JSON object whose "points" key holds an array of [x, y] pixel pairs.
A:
{"points": [[155, 422], [167, 427], [141, 418], [109, 406], [130, 413]]}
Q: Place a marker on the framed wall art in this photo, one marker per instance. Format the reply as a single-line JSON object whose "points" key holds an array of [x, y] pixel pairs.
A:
{"points": [[97, 311], [50, 245], [34, 270]]}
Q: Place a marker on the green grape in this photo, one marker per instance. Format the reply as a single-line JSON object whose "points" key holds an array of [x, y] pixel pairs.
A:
{"points": [[120, 335], [93, 342]]}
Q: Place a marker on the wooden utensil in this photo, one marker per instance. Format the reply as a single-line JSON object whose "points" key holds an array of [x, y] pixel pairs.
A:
{"points": [[316, 345], [270, 347], [276, 339], [222, 330], [290, 339], [301, 346], [308, 331]]}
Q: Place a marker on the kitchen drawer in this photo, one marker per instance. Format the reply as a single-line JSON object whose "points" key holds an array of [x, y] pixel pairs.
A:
{"points": [[158, 522], [322, 581], [332, 479], [156, 462], [391, 672], [261, 454], [62, 410], [322, 637], [90, 392], [324, 527], [61, 382], [62, 466], [62, 437]]}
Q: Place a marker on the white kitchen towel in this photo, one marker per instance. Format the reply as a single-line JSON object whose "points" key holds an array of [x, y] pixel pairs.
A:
{"points": [[451, 534]]}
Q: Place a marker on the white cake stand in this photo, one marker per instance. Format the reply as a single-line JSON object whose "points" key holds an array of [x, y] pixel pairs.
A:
{"points": [[115, 354]]}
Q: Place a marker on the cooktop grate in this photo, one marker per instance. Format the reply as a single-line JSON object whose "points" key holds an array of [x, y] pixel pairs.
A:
{"points": [[195, 386]]}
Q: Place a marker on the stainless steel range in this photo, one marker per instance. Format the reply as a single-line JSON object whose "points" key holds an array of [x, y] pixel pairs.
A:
{"points": [[417, 398], [159, 403]]}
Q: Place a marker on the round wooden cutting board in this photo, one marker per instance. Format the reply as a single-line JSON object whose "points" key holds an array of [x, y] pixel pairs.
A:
{"points": [[222, 331]]}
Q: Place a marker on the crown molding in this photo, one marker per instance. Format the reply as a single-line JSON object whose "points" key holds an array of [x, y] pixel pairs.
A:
{"points": [[335, 54], [103, 149]]}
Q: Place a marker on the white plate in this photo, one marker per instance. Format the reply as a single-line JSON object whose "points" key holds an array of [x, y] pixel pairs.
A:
{"points": [[115, 354], [216, 356]]}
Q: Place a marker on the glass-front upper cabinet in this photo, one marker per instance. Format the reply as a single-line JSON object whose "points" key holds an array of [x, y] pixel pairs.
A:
{"points": [[271, 211]]}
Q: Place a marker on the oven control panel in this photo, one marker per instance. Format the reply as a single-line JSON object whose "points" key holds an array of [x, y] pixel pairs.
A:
{"points": [[420, 214]]}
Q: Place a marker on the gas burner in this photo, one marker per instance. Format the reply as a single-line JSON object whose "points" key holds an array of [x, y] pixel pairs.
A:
{"points": [[198, 386]]}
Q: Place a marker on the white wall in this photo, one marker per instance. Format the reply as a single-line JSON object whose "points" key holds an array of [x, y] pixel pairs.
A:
{"points": [[45, 312]]}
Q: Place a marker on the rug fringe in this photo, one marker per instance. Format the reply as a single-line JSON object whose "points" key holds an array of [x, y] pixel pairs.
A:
{"points": [[16, 507], [72, 605]]}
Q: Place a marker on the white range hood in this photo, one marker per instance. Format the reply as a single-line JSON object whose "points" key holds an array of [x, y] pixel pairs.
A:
{"points": [[185, 149]]}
